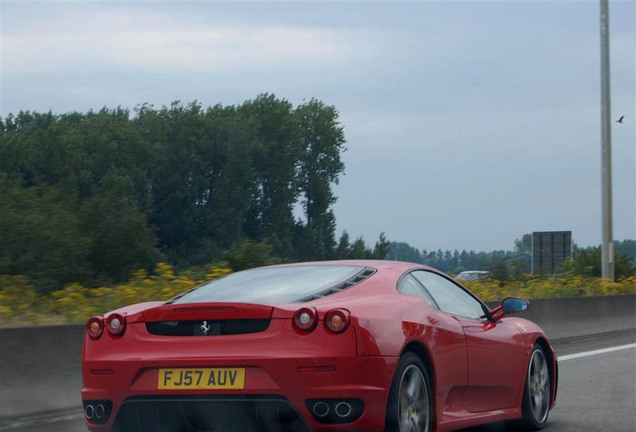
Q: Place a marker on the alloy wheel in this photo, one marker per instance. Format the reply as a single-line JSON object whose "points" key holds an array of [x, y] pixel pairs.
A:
{"points": [[413, 403], [539, 386]]}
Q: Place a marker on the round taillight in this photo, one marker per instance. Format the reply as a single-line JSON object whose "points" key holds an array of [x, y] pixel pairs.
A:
{"points": [[306, 319], [116, 324], [95, 327], [337, 320]]}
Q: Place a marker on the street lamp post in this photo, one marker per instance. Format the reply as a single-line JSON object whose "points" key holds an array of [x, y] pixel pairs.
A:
{"points": [[607, 247]]}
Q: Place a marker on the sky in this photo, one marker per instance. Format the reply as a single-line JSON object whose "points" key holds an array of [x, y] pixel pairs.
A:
{"points": [[468, 124]]}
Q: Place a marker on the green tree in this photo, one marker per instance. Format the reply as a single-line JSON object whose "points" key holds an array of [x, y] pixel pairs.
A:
{"points": [[181, 182], [276, 155], [359, 250], [499, 267], [119, 238], [626, 248], [381, 248], [402, 251], [41, 237], [343, 250], [246, 254], [322, 140], [587, 262], [523, 254]]}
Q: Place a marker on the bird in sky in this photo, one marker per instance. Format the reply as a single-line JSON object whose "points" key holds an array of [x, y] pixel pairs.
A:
{"points": [[620, 120]]}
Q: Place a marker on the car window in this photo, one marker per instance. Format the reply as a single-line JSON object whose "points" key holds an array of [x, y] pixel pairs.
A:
{"points": [[449, 297], [409, 285], [272, 285]]}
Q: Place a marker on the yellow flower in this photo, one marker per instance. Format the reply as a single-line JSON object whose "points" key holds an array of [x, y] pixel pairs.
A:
{"points": [[75, 303]]}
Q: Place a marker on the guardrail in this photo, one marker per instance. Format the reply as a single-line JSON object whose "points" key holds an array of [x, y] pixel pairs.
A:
{"points": [[569, 317], [40, 369], [40, 366]]}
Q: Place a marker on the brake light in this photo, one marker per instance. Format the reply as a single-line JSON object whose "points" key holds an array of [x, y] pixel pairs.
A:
{"points": [[95, 327], [337, 320], [306, 319], [116, 324]]}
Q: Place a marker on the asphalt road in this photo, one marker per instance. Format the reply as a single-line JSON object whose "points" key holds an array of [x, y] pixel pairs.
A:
{"points": [[596, 392]]}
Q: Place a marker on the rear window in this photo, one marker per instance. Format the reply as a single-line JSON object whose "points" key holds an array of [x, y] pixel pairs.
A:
{"points": [[287, 284]]}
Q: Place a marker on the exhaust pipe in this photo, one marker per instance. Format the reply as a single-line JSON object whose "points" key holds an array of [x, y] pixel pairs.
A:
{"points": [[343, 409], [321, 409], [89, 411], [99, 411]]}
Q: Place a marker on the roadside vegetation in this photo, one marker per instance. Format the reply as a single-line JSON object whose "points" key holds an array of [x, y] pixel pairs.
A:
{"points": [[537, 287], [99, 210], [510, 265], [21, 304], [90, 197]]}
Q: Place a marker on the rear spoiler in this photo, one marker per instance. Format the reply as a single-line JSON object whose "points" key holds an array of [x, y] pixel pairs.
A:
{"points": [[207, 311]]}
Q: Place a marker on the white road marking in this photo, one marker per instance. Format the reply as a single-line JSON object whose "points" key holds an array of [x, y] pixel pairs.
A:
{"points": [[596, 352]]}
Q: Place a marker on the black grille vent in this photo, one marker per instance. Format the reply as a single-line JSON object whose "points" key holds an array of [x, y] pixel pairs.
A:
{"points": [[207, 327], [362, 275]]}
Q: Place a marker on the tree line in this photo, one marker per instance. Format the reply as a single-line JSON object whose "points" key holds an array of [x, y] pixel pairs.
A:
{"points": [[90, 197], [514, 263]]}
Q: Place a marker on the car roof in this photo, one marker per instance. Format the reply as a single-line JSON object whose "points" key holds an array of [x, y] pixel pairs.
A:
{"points": [[383, 282], [380, 265]]}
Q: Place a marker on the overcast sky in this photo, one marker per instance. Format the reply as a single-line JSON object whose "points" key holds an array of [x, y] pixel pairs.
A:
{"points": [[468, 124]]}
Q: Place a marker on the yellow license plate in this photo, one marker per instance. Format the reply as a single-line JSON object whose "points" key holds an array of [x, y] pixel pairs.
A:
{"points": [[204, 378]]}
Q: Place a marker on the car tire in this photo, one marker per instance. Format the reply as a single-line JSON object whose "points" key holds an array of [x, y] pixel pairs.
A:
{"points": [[537, 393], [410, 406]]}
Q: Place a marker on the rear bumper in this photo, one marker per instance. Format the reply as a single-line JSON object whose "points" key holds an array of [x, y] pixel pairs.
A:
{"points": [[367, 379], [308, 367], [248, 414]]}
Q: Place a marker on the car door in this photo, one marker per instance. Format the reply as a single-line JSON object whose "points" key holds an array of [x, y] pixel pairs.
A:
{"points": [[447, 347], [496, 351]]}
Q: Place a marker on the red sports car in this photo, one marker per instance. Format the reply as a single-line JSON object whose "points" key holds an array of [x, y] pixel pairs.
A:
{"points": [[326, 346]]}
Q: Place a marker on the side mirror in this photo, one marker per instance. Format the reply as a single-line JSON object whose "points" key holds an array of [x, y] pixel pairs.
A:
{"points": [[509, 306], [512, 305]]}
